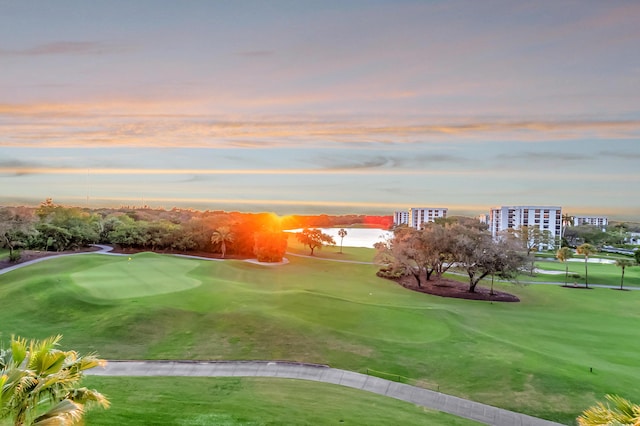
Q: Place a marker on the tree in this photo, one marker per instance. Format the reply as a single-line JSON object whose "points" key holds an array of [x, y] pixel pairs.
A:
{"points": [[222, 236], [40, 383], [585, 233], [403, 254], [270, 246], [438, 243], [586, 250], [129, 232], [72, 227], [314, 239], [342, 233], [637, 256], [623, 412], [532, 237], [563, 255], [567, 220], [505, 260], [479, 255], [15, 226], [470, 247], [623, 263]]}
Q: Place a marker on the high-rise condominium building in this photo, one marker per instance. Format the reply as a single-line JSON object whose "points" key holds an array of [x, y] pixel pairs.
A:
{"points": [[545, 218], [599, 221], [421, 215], [401, 217], [416, 216]]}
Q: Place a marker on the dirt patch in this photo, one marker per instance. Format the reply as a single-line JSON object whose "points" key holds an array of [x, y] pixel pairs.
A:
{"points": [[450, 288], [28, 255]]}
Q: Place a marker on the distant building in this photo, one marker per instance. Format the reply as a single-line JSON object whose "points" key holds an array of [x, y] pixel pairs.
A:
{"points": [[401, 217], [633, 238], [416, 216], [545, 218], [599, 221], [483, 218], [421, 215]]}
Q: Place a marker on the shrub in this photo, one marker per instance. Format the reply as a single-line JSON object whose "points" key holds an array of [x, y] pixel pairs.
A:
{"points": [[388, 272], [15, 256]]}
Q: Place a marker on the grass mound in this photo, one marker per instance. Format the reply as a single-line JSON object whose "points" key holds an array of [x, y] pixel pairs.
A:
{"points": [[137, 276]]}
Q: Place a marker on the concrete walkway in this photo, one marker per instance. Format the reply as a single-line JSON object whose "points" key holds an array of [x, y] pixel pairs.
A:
{"points": [[103, 250], [321, 373]]}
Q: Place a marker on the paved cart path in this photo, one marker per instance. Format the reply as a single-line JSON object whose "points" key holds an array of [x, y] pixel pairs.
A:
{"points": [[321, 373]]}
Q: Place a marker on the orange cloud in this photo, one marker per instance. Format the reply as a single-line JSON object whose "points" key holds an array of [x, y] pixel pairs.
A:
{"points": [[140, 124]]}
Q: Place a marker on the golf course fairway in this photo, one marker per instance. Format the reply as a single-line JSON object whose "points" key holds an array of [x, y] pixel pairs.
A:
{"points": [[551, 355]]}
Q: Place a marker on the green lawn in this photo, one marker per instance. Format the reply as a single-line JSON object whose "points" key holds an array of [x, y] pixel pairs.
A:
{"points": [[143, 275], [251, 401], [358, 254], [599, 273], [533, 357]]}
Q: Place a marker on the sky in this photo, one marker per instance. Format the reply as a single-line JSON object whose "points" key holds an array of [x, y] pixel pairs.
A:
{"points": [[363, 107]]}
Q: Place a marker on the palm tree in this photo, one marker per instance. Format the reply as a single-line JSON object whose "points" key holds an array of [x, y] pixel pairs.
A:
{"points": [[567, 220], [563, 255], [39, 383], [586, 250], [342, 233], [623, 263], [624, 412], [222, 236]]}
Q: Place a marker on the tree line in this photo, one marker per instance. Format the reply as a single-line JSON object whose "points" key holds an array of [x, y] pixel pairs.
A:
{"points": [[615, 234], [53, 227]]}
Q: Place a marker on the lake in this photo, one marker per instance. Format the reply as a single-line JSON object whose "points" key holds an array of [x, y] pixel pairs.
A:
{"points": [[356, 237]]}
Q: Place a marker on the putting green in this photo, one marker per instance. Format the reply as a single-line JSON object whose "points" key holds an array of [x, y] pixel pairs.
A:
{"points": [[138, 276]]}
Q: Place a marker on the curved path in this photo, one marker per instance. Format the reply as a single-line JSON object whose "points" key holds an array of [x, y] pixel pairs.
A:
{"points": [[103, 250], [321, 373]]}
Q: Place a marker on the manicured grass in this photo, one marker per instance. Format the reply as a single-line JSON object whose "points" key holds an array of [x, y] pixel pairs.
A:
{"points": [[534, 356], [143, 275], [250, 401], [357, 254], [599, 273]]}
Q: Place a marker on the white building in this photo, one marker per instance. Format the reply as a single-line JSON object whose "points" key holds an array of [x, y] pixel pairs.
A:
{"points": [[483, 218], [421, 215], [633, 238], [416, 216], [545, 218], [401, 217], [599, 221]]}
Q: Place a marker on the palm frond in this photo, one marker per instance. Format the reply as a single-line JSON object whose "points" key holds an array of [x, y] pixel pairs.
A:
{"points": [[18, 350], [64, 413], [39, 349], [623, 413], [88, 396]]}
